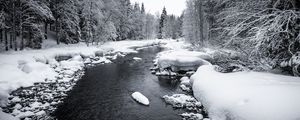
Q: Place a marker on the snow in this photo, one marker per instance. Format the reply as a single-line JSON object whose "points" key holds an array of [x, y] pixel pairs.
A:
{"points": [[182, 60], [139, 97], [137, 58], [247, 95]]}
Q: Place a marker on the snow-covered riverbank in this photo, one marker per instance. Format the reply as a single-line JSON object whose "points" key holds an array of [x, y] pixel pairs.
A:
{"points": [[247, 95], [239, 94], [57, 65]]}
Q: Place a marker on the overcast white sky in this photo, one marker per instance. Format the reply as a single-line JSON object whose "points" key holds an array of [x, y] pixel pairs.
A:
{"points": [[173, 6]]}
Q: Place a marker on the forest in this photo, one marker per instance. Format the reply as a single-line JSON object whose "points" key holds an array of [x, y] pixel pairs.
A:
{"points": [[26, 23], [264, 33]]}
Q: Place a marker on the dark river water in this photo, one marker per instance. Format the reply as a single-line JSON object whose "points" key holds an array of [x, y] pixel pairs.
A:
{"points": [[104, 93]]}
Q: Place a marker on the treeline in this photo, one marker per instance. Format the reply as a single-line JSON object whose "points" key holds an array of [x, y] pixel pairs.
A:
{"points": [[26, 23], [265, 32], [170, 26]]}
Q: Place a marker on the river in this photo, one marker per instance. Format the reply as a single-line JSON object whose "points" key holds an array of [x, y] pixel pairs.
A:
{"points": [[104, 92]]}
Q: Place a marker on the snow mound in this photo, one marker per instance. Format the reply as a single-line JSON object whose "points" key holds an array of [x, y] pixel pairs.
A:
{"points": [[247, 95], [182, 60], [139, 97]]}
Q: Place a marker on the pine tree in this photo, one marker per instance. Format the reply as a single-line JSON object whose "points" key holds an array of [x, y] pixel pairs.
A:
{"points": [[162, 22], [124, 23], [67, 20], [143, 9]]}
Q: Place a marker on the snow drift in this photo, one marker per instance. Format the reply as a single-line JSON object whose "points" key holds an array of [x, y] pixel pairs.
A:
{"points": [[247, 95]]}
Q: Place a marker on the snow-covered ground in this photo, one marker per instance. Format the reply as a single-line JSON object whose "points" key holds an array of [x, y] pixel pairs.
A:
{"points": [[247, 95], [24, 68]]}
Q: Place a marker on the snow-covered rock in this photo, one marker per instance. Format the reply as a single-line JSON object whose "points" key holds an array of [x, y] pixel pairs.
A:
{"points": [[192, 116], [182, 60], [185, 84], [25, 114], [15, 99], [185, 81], [18, 106], [102, 60], [247, 95], [185, 88], [40, 113], [182, 101], [139, 97], [165, 73], [4, 116]]}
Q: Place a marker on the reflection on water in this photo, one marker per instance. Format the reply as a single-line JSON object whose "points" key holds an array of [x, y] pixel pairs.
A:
{"points": [[104, 93]]}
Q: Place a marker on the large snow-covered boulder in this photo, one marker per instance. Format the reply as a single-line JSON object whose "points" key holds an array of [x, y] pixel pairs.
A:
{"points": [[139, 97], [247, 95], [182, 60]]}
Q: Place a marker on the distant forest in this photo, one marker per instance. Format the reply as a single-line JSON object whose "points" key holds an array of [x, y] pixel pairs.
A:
{"points": [[26, 23]]}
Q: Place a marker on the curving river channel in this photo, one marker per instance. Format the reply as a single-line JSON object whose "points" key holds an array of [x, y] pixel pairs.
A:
{"points": [[104, 92]]}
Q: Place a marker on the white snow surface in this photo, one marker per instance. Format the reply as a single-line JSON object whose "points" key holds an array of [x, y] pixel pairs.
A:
{"points": [[23, 68], [247, 95], [139, 97]]}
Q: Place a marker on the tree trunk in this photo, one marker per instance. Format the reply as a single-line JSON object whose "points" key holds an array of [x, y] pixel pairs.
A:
{"points": [[56, 24], [30, 44], [201, 22], [1, 35], [14, 27], [22, 39], [57, 30], [46, 30], [6, 40], [11, 40]]}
